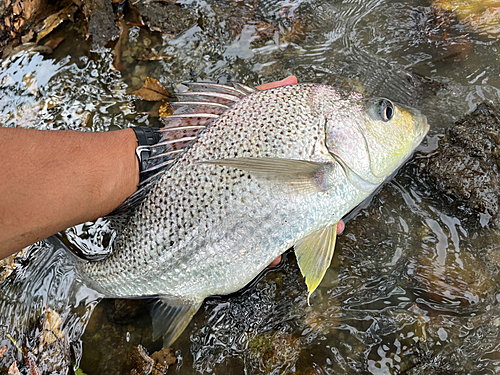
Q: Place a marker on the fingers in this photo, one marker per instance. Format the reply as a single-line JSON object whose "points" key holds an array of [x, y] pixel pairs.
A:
{"points": [[275, 262], [340, 226], [292, 80]]}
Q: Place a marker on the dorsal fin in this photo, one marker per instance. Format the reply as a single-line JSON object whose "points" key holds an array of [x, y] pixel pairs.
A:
{"points": [[194, 111]]}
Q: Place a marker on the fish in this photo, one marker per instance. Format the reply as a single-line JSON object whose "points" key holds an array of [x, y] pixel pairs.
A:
{"points": [[240, 176]]}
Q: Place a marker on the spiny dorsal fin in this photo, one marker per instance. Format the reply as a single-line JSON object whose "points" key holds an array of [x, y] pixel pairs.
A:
{"points": [[314, 254], [301, 175], [193, 113], [170, 317]]}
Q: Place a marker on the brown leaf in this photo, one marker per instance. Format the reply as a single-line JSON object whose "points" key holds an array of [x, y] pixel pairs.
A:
{"points": [[51, 22], [51, 328], [141, 362], [54, 42], [13, 370], [133, 16], [264, 30], [122, 40], [152, 90], [242, 12], [30, 361], [2, 351], [165, 110]]}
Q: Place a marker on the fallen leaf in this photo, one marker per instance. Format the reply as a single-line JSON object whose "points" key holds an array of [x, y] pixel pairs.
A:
{"points": [[54, 355], [30, 361], [51, 22], [264, 30], [53, 43], [2, 351], [152, 90], [28, 37], [133, 16], [13, 370], [165, 357], [165, 110], [51, 328]]}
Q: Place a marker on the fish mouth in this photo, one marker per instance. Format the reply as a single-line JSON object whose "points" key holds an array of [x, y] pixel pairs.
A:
{"points": [[369, 184], [420, 122]]}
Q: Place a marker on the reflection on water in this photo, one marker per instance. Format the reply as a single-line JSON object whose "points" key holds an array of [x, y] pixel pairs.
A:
{"points": [[413, 287]]}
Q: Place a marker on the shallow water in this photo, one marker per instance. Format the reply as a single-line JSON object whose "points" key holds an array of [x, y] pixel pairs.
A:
{"points": [[413, 288]]}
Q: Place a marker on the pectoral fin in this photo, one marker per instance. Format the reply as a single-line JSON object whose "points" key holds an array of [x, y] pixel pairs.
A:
{"points": [[314, 254], [170, 317], [307, 176]]}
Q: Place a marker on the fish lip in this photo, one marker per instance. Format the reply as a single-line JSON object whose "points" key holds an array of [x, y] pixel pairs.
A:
{"points": [[420, 122]]}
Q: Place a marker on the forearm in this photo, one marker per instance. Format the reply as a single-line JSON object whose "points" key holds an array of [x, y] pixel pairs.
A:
{"points": [[52, 180]]}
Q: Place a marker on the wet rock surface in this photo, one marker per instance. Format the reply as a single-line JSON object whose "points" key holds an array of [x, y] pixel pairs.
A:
{"points": [[156, 364], [102, 25], [165, 17], [466, 165]]}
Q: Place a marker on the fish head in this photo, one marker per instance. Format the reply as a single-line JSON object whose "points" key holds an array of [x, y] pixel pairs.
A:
{"points": [[372, 137]]}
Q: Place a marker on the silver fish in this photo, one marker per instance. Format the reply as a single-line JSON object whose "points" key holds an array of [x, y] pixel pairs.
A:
{"points": [[249, 174]]}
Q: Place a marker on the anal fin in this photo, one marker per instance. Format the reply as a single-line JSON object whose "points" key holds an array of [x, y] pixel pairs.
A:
{"points": [[314, 254], [170, 317]]}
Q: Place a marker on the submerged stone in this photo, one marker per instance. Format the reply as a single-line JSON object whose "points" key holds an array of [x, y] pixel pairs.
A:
{"points": [[466, 165]]}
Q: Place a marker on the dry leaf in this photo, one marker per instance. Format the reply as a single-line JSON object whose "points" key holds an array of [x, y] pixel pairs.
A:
{"points": [[54, 20], [53, 43], [264, 30], [28, 37], [2, 351], [7, 265], [133, 16], [152, 90], [165, 110], [30, 361], [51, 328], [13, 370]]}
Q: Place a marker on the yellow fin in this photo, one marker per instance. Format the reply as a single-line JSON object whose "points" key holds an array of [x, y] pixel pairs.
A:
{"points": [[301, 175], [314, 254]]}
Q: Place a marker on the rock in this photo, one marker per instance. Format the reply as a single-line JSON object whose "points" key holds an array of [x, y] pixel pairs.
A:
{"points": [[464, 281], [102, 25], [466, 165], [163, 359], [276, 349], [482, 17], [166, 18], [142, 363]]}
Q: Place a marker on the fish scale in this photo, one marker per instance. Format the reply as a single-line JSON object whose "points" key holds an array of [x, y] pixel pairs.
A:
{"points": [[258, 180]]}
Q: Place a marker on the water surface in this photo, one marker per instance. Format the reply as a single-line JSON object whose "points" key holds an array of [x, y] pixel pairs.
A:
{"points": [[412, 288]]}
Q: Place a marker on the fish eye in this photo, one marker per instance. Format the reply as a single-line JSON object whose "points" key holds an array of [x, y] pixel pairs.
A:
{"points": [[385, 109]]}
